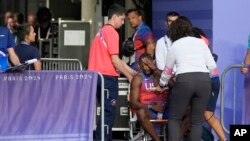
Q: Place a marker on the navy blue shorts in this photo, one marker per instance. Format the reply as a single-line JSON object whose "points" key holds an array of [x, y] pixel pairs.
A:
{"points": [[215, 82]]}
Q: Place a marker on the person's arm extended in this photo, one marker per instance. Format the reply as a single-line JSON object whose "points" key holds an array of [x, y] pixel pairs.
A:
{"points": [[160, 55], [13, 57], [247, 58], [168, 69], [121, 67], [244, 68], [135, 92], [38, 65], [131, 71], [210, 62]]}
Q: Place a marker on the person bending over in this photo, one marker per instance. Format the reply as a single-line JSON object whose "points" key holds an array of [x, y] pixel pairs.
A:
{"points": [[104, 58], [192, 88]]}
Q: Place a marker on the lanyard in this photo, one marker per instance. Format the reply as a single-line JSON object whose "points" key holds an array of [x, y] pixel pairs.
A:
{"points": [[26, 43], [15, 39], [39, 33], [165, 41], [102, 38], [136, 32]]}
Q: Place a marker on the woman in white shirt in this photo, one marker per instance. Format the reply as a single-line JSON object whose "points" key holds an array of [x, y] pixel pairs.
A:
{"points": [[193, 62]]}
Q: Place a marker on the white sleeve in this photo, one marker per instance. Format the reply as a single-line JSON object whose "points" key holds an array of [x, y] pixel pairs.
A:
{"points": [[168, 69], [160, 55], [210, 63]]}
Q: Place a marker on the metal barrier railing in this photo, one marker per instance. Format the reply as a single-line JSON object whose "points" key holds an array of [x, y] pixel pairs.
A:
{"points": [[61, 64], [223, 76], [102, 107]]}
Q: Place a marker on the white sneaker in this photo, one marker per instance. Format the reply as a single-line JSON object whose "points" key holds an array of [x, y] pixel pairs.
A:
{"points": [[139, 136], [149, 137]]}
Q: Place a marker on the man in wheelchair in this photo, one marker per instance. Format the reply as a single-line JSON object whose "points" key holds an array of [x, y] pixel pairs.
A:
{"points": [[148, 103]]}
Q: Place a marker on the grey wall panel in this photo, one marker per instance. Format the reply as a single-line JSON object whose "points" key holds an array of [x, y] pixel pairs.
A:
{"points": [[71, 39]]}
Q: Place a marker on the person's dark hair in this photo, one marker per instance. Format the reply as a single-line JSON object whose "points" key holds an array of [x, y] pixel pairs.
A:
{"points": [[19, 17], [172, 13], [44, 15], [14, 26], [182, 27], [137, 11], [116, 9], [198, 32], [22, 31], [11, 17], [186, 19]]}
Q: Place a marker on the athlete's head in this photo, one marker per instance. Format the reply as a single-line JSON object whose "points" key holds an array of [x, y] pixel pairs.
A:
{"points": [[144, 60]]}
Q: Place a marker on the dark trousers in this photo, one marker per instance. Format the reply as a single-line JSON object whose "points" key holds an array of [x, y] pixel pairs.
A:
{"points": [[190, 90], [110, 100]]}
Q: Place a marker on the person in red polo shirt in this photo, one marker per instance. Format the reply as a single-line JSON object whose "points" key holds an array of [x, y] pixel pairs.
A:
{"points": [[104, 58]]}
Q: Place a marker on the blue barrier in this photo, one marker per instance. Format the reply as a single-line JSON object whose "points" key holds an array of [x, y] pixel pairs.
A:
{"points": [[47, 105]]}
